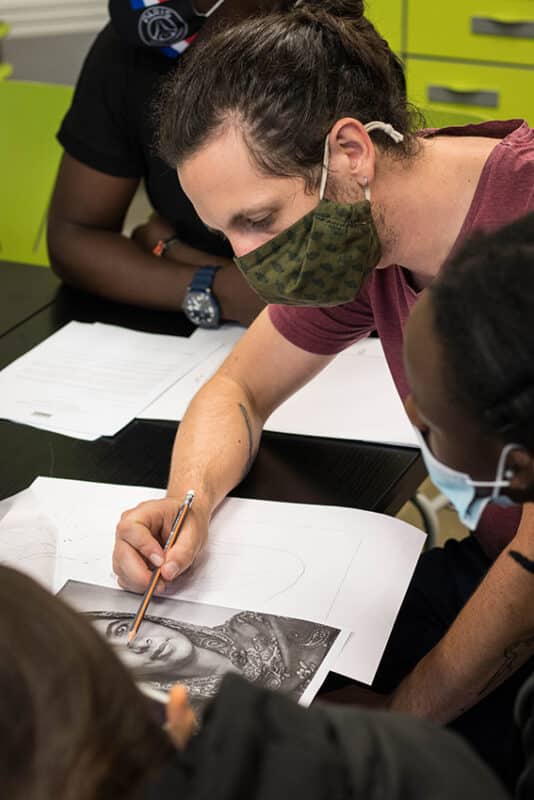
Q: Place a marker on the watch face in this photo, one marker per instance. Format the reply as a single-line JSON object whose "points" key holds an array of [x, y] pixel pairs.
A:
{"points": [[202, 309]]}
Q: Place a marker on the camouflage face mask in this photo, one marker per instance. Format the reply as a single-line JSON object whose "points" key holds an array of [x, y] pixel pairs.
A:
{"points": [[324, 258]]}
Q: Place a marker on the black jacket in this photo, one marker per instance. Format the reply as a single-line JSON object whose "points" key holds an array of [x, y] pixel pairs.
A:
{"points": [[257, 745], [525, 720]]}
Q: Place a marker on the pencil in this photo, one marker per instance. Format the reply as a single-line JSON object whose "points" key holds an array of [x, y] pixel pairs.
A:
{"points": [[150, 589]]}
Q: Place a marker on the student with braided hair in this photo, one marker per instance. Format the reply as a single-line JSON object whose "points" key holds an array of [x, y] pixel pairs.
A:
{"points": [[469, 358]]}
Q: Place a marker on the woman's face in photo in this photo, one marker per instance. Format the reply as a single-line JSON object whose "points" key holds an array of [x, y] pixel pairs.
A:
{"points": [[155, 645]]}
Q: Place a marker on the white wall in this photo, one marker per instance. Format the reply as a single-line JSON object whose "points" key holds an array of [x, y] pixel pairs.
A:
{"points": [[48, 40], [29, 18]]}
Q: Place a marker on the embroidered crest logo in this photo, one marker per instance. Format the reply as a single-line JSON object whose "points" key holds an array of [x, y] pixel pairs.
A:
{"points": [[160, 26]]}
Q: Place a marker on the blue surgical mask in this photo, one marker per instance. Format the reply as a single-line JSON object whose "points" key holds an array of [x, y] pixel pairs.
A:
{"points": [[460, 488]]}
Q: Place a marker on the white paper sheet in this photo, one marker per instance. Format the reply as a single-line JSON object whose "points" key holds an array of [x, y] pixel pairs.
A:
{"points": [[29, 540], [343, 567], [227, 334], [7, 503], [90, 380], [353, 398], [172, 404]]}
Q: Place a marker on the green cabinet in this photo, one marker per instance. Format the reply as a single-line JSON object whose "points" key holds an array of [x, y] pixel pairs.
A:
{"points": [[476, 30], [468, 56], [386, 16], [489, 92]]}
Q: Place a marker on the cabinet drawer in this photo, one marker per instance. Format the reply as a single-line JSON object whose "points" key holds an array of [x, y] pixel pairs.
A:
{"points": [[488, 92], [386, 16], [483, 30]]}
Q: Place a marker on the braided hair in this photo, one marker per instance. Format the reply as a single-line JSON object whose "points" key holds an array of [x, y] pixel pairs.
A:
{"points": [[483, 305]]}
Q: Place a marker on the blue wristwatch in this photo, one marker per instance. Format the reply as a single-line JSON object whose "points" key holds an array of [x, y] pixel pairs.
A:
{"points": [[200, 304]]}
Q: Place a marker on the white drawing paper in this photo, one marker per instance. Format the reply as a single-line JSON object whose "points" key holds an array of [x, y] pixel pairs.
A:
{"points": [[354, 397], [341, 567], [29, 540]]}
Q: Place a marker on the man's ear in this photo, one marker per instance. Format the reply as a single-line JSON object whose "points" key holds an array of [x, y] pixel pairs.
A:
{"points": [[352, 153]]}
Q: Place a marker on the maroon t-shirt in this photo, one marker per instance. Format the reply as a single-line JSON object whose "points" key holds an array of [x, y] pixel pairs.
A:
{"points": [[504, 193]]}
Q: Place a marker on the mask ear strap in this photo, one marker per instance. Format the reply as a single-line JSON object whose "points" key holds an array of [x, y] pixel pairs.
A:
{"points": [[387, 128], [211, 11], [324, 173], [504, 476]]}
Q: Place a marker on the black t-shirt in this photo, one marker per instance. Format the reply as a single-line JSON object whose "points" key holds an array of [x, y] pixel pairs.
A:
{"points": [[110, 128], [260, 745]]}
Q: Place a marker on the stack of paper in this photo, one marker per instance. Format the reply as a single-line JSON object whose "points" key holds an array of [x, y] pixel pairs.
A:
{"points": [[341, 567], [90, 380], [353, 398]]}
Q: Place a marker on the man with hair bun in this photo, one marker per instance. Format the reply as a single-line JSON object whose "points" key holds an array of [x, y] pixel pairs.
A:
{"points": [[340, 215]]}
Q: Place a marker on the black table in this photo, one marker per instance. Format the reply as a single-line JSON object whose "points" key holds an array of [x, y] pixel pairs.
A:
{"points": [[289, 468], [24, 291]]}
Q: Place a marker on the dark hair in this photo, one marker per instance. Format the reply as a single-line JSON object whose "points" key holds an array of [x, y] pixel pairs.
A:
{"points": [[73, 725], [483, 306], [285, 79]]}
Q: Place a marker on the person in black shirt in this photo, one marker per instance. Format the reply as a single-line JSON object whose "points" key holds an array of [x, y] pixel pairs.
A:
{"points": [[108, 137]]}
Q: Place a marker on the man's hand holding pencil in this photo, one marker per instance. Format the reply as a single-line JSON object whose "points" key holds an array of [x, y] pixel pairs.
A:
{"points": [[140, 539]]}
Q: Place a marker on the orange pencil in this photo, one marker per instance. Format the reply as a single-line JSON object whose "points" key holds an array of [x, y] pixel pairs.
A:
{"points": [[150, 589]]}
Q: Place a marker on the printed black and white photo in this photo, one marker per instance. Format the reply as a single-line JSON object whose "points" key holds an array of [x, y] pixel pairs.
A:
{"points": [[197, 644]]}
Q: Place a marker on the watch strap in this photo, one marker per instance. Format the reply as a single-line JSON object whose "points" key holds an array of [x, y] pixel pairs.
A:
{"points": [[203, 279]]}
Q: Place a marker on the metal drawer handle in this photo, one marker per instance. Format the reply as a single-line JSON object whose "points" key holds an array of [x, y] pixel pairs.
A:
{"points": [[463, 97], [514, 29]]}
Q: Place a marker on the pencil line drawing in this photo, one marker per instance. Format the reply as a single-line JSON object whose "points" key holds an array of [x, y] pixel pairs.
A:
{"points": [[224, 563], [29, 543], [341, 584], [18, 554]]}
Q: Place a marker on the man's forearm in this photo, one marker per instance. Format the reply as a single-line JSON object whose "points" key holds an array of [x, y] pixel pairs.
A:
{"points": [[216, 443], [490, 639]]}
